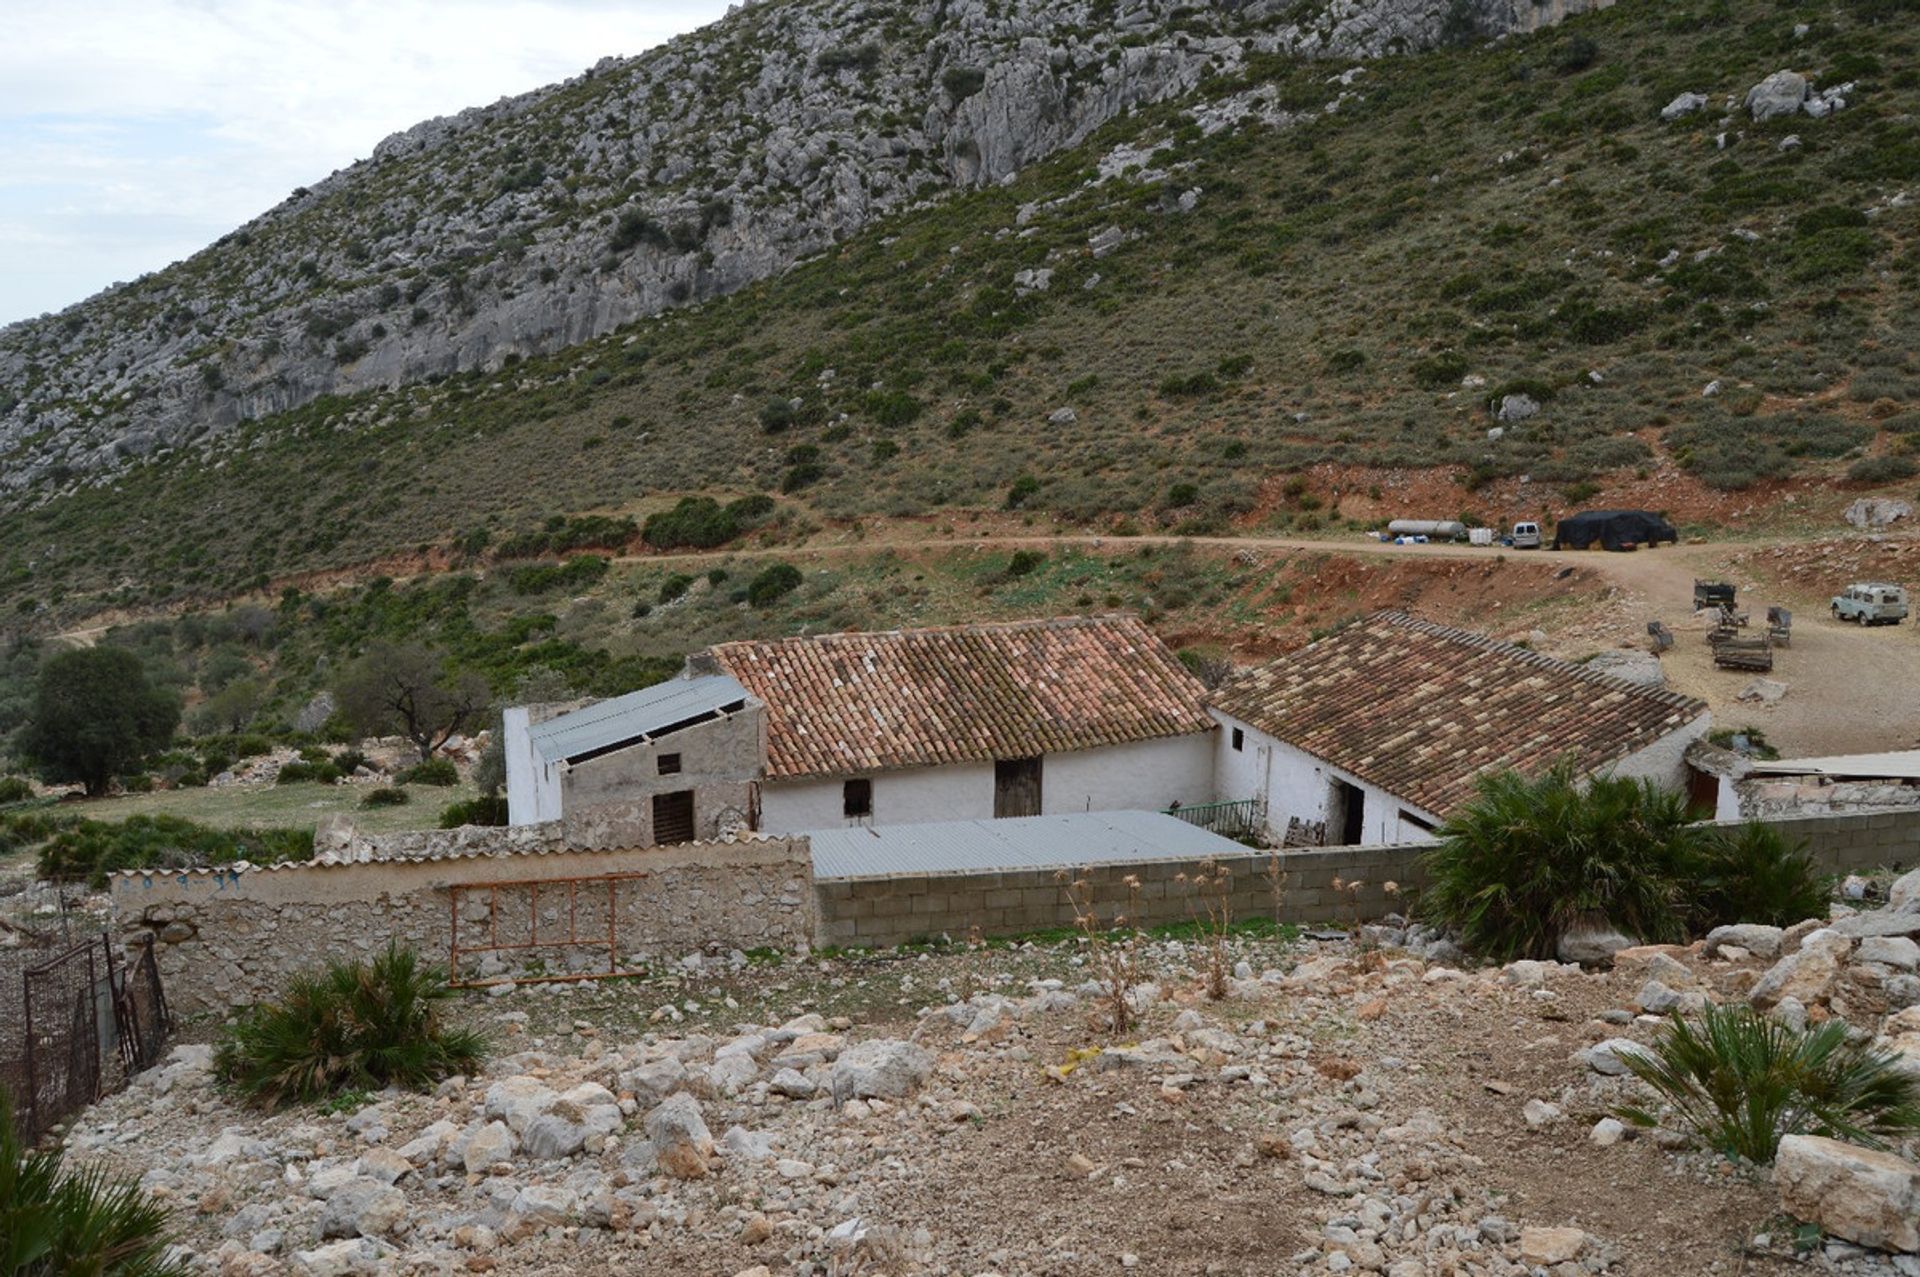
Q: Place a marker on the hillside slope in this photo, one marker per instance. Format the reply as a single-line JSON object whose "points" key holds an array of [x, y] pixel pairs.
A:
{"points": [[1300, 264], [680, 175]]}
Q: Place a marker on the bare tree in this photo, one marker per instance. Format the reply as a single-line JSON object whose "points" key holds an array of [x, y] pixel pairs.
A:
{"points": [[407, 688]]}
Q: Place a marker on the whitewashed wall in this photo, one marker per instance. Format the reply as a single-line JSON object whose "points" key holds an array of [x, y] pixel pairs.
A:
{"points": [[1665, 761], [1295, 783], [533, 785], [1145, 775]]}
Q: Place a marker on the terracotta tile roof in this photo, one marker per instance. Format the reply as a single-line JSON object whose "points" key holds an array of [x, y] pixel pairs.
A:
{"points": [[849, 704], [1420, 709]]}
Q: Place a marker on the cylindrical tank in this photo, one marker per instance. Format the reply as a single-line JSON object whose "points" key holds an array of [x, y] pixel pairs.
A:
{"points": [[1451, 528]]}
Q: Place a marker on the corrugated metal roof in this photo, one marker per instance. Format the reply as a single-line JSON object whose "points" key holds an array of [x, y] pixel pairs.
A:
{"points": [[627, 718], [1022, 842], [1899, 765]]}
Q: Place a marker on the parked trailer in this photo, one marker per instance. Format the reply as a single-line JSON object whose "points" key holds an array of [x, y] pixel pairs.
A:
{"points": [[1752, 654], [1451, 529]]}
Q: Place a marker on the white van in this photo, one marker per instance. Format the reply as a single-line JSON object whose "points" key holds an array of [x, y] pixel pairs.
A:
{"points": [[1526, 536]]}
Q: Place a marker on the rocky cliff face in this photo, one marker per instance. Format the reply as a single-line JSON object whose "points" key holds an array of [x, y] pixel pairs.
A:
{"points": [[716, 160]]}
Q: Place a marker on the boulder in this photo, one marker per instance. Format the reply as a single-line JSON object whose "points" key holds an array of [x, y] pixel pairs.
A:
{"points": [[538, 1205], [1860, 1194], [1807, 976], [559, 1132], [1897, 952], [362, 1207], [1605, 1058], [1872, 513], [356, 1258], [1591, 946], [655, 1081], [1904, 895], [1656, 998], [518, 1100], [883, 1068], [1763, 691], [1758, 940], [1515, 408], [1778, 95], [1684, 105], [490, 1145], [681, 1142], [1551, 1245]]}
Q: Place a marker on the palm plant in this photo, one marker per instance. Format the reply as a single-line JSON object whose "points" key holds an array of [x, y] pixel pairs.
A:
{"points": [[55, 1221], [354, 1026], [1754, 873], [1530, 858], [1740, 1081]]}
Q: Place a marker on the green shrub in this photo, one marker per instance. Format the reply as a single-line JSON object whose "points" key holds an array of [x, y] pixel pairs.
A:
{"points": [[251, 747], [1189, 385], [1740, 1081], [1025, 562], [542, 578], [439, 772], [963, 82], [1755, 874], [675, 587], [386, 796], [488, 809], [1881, 470], [701, 523], [301, 772], [1183, 494], [1530, 858], [349, 761], [1022, 490], [92, 849], [774, 582], [1437, 372], [57, 1220], [354, 1026], [15, 789]]}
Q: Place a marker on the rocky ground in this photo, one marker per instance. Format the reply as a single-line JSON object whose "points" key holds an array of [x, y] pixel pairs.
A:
{"points": [[1350, 1105]]}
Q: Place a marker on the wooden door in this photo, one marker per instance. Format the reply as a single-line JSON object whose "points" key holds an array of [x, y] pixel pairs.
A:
{"points": [[673, 818], [1016, 787]]}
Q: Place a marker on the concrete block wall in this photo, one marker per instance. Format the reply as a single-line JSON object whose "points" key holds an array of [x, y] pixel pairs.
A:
{"points": [[894, 909]]}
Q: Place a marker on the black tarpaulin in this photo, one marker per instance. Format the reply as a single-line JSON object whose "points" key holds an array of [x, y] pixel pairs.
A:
{"points": [[1612, 530]]}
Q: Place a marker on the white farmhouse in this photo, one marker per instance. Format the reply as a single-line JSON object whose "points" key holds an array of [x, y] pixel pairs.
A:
{"points": [[1377, 733], [954, 723]]}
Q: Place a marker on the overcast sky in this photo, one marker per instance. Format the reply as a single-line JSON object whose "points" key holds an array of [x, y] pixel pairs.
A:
{"points": [[134, 132]]}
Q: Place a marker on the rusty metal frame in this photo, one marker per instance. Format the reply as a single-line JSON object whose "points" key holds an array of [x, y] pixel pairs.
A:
{"points": [[572, 940]]}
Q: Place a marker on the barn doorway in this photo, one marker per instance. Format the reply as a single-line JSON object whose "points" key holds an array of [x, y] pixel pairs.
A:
{"points": [[1016, 787], [1347, 813], [673, 818]]}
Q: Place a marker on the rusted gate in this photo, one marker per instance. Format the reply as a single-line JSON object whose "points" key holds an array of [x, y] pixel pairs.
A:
{"points": [[87, 1024], [537, 929]]}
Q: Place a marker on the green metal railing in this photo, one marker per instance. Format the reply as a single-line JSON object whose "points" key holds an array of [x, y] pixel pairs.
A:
{"points": [[1246, 818]]}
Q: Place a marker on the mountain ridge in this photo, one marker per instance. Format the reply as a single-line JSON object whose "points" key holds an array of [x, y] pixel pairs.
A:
{"points": [[581, 206]]}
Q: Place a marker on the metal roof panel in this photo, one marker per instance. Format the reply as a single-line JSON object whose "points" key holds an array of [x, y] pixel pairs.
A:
{"points": [[628, 718], [1021, 842]]}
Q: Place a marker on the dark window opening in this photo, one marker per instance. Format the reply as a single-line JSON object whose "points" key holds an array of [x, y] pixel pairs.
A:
{"points": [[1239, 740], [856, 799], [673, 817], [1347, 813], [1016, 787], [669, 764]]}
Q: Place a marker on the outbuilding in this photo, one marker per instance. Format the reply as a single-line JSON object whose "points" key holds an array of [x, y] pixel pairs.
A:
{"points": [[1378, 732]]}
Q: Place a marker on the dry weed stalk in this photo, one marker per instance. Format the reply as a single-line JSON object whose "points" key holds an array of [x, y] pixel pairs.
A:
{"points": [[1115, 949], [1276, 876], [1212, 886]]}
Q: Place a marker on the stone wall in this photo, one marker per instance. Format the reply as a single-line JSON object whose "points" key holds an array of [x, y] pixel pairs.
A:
{"points": [[893, 909], [230, 937]]}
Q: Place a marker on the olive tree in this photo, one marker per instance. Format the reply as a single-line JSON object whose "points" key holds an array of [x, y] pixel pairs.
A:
{"points": [[409, 689], [95, 716]]}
